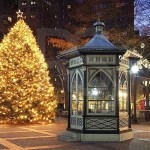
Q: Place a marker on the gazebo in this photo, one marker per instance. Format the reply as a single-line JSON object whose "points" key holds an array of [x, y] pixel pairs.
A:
{"points": [[99, 91]]}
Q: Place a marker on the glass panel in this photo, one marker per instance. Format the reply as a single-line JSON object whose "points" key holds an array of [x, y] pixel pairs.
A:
{"points": [[98, 106], [80, 96], [77, 95], [123, 100], [73, 96], [123, 94], [101, 94]]}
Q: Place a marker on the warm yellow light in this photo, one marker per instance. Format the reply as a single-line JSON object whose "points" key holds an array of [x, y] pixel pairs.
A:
{"points": [[62, 91], [25, 91], [122, 94]]}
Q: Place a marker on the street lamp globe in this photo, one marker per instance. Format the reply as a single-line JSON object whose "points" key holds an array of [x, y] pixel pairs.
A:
{"points": [[134, 69]]}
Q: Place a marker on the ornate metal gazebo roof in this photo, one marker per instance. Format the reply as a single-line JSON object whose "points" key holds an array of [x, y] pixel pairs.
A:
{"points": [[99, 44]]}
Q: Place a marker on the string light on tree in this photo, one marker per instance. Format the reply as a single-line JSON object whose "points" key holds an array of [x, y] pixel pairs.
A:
{"points": [[26, 94]]}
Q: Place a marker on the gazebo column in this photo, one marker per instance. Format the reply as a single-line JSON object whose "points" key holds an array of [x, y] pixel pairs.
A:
{"points": [[117, 98], [85, 97], [68, 98]]}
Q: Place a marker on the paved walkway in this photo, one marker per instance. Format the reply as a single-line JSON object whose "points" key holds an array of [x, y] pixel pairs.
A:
{"points": [[44, 137]]}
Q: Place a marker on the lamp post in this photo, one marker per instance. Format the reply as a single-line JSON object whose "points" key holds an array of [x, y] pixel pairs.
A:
{"points": [[134, 70]]}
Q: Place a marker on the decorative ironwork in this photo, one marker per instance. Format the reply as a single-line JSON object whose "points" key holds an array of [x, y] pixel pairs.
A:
{"points": [[110, 59], [73, 120], [76, 62], [79, 121], [123, 122], [101, 123], [104, 59], [101, 59]]}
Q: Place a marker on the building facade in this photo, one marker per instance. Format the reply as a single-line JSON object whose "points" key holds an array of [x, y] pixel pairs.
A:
{"points": [[44, 13], [7, 15]]}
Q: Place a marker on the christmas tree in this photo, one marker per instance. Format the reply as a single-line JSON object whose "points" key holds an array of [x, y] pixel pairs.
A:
{"points": [[26, 94]]}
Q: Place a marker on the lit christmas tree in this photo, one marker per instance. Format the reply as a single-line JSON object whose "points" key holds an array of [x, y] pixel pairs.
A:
{"points": [[26, 94]]}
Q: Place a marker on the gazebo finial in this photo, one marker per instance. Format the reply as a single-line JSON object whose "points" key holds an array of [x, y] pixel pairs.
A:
{"points": [[99, 25], [98, 19]]}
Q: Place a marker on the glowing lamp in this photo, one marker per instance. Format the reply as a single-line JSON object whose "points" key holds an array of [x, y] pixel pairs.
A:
{"points": [[134, 69]]}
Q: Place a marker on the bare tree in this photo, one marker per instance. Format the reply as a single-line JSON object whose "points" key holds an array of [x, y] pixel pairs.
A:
{"points": [[142, 14], [59, 78]]}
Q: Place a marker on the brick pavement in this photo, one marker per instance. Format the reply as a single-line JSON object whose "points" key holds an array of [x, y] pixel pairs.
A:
{"points": [[44, 137]]}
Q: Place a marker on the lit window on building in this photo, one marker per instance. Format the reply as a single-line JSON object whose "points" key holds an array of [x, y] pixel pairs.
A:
{"points": [[9, 19], [24, 3], [32, 16], [69, 6], [33, 2], [48, 3]]}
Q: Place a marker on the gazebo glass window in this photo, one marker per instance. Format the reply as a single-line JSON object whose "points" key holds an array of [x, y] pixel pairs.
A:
{"points": [[100, 94], [123, 93], [77, 95]]}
